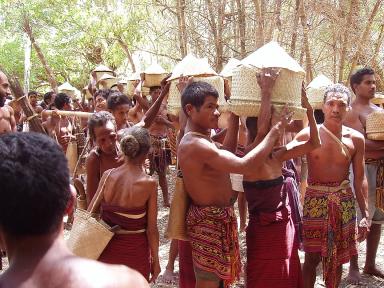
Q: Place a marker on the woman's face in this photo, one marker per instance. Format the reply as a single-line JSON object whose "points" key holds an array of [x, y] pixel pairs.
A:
{"points": [[106, 138], [100, 104]]}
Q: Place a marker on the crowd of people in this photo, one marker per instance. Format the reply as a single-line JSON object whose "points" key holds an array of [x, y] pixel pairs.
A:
{"points": [[260, 162]]}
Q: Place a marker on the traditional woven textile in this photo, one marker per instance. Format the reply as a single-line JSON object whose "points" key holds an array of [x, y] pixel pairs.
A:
{"points": [[160, 153], [214, 239], [379, 182], [375, 126], [329, 224]]}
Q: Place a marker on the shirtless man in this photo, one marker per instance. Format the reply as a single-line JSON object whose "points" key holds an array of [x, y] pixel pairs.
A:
{"points": [[329, 217], [37, 253], [160, 156], [32, 97], [206, 170], [7, 118], [363, 84], [60, 127]]}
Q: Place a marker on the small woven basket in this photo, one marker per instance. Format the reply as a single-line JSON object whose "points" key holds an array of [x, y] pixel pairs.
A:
{"points": [[106, 83], [152, 80], [375, 126], [316, 97], [246, 93], [174, 98], [99, 74]]}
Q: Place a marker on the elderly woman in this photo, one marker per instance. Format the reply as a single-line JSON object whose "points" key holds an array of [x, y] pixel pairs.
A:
{"points": [[129, 200]]}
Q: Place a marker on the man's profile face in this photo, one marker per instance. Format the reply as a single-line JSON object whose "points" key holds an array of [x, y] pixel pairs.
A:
{"points": [[207, 116], [33, 99], [367, 87], [335, 106], [4, 89]]}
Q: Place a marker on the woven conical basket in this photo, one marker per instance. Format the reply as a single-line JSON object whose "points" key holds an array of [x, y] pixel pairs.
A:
{"points": [[375, 126], [174, 98], [246, 93], [316, 90]]}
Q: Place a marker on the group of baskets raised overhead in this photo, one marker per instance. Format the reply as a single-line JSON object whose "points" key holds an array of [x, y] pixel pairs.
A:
{"points": [[245, 97]]}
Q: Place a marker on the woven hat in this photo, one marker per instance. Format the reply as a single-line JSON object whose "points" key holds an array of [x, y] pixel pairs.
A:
{"points": [[375, 125], [192, 66], [101, 70], [67, 89], [174, 98], [106, 81], [316, 90], [246, 93], [153, 75]]}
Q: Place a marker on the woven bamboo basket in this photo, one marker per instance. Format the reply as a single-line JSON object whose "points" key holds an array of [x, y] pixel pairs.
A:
{"points": [[316, 90], [130, 88], [145, 91], [246, 93], [101, 70], [174, 98], [106, 82], [152, 80], [378, 100], [375, 126]]}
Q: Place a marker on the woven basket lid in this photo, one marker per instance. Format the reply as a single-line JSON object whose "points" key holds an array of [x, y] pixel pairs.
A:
{"points": [[102, 68], [272, 55], [155, 69], [375, 122], [379, 99], [192, 66], [228, 69], [108, 79], [316, 90], [66, 87]]}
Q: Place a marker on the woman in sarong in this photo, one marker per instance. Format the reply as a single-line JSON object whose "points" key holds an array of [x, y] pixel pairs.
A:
{"points": [[272, 248], [130, 202]]}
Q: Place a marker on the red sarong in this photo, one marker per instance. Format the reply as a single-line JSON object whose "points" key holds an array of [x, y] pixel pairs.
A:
{"points": [[215, 247], [186, 273], [131, 250], [272, 248]]}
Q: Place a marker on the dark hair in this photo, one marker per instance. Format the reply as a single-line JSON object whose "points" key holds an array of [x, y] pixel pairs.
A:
{"points": [[30, 93], [61, 99], [151, 89], [195, 94], [34, 181], [103, 93], [319, 116], [48, 95], [337, 88], [135, 141], [251, 124], [99, 119], [358, 76], [116, 99]]}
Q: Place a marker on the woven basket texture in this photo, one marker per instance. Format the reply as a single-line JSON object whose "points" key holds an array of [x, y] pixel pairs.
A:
{"points": [[99, 74], [85, 230], [246, 93], [174, 98], [375, 126], [152, 80]]}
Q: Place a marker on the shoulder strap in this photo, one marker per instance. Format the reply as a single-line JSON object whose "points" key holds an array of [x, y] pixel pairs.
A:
{"points": [[99, 194], [338, 141]]}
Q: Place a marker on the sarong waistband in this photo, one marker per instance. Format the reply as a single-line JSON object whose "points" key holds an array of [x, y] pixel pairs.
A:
{"points": [[266, 218], [331, 189], [374, 161], [262, 184], [126, 232]]}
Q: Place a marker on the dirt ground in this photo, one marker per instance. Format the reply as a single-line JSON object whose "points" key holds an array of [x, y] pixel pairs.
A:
{"points": [[368, 281]]}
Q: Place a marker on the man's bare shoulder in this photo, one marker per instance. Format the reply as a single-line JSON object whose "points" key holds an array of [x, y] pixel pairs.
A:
{"points": [[353, 133], [93, 157]]}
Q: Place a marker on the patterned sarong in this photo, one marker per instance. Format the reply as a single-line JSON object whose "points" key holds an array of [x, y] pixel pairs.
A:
{"points": [[329, 224], [215, 247], [160, 154], [379, 182]]}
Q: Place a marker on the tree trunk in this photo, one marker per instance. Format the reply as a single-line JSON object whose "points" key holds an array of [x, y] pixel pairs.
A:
{"points": [[217, 31], [241, 23], [364, 37], [308, 60], [128, 53], [259, 24], [345, 40], [182, 27], [51, 77], [295, 28]]}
